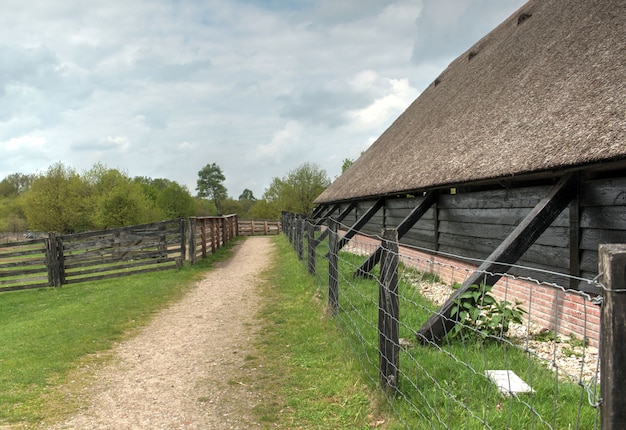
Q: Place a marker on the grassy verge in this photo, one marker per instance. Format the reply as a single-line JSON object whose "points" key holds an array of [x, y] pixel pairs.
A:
{"points": [[46, 334], [312, 380]]}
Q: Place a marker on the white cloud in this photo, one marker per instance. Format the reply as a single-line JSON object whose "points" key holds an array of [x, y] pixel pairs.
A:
{"points": [[258, 87]]}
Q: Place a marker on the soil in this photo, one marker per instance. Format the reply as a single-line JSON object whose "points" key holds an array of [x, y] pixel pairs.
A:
{"points": [[185, 369]]}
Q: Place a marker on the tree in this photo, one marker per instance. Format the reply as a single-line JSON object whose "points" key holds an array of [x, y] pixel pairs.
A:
{"points": [[297, 191], [210, 185], [15, 184], [57, 201], [346, 164], [117, 201], [302, 186], [247, 195], [247, 201], [169, 199], [176, 201]]}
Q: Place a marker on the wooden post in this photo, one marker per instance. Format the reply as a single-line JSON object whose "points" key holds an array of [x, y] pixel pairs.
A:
{"points": [[212, 231], [612, 264], [183, 245], [333, 268], [192, 240], [389, 311], [52, 261], [310, 227], [224, 231], [203, 237], [300, 238]]}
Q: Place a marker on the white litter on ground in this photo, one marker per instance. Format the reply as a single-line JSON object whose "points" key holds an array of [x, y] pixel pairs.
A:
{"points": [[508, 382]]}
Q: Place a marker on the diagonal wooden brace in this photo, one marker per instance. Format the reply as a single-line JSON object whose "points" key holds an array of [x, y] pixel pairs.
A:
{"points": [[505, 255]]}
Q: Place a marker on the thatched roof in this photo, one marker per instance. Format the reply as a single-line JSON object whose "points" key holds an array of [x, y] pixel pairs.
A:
{"points": [[544, 91]]}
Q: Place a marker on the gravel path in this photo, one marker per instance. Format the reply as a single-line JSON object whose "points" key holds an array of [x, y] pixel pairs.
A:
{"points": [[183, 370]]}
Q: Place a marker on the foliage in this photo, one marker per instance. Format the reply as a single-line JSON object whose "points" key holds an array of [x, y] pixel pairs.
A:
{"points": [[62, 200], [231, 206], [477, 311], [247, 195], [346, 164], [296, 192], [210, 184], [15, 184], [263, 209], [57, 200], [168, 198], [117, 201]]}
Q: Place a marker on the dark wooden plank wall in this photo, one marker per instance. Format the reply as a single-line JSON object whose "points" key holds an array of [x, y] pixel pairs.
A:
{"points": [[473, 224]]}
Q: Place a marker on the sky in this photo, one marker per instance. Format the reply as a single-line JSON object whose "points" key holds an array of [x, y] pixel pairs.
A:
{"points": [[162, 88]]}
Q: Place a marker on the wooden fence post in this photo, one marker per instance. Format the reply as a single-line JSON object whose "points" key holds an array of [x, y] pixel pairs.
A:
{"points": [[333, 268], [612, 262], [389, 311], [224, 231], [203, 236], [52, 260], [300, 238], [310, 227], [212, 233], [183, 244], [192, 240]]}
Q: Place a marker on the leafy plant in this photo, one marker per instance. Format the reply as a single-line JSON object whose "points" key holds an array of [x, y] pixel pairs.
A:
{"points": [[477, 311]]}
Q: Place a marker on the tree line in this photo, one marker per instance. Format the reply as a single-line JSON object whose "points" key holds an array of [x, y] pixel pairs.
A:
{"points": [[64, 200]]}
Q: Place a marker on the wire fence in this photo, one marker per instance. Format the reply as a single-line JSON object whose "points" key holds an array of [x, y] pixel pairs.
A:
{"points": [[519, 354]]}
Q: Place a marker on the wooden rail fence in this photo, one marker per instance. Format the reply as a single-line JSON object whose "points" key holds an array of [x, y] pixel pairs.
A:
{"points": [[56, 259]]}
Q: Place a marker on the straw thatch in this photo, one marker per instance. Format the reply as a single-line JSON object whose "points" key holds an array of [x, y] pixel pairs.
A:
{"points": [[544, 91]]}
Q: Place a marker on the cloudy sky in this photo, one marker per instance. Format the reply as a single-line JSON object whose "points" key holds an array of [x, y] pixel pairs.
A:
{"points": [[161, 88]]}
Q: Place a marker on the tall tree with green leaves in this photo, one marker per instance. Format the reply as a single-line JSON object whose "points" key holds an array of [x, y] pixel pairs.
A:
{"points": [[210, 185], [117, 200], [56, 201], [297, 191]]}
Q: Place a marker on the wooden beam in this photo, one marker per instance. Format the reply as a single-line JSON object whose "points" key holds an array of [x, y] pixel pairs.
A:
{"points": [[317, 211], [339, 218], [322, 218], [505, 255], [358, 225], [403, 228]]}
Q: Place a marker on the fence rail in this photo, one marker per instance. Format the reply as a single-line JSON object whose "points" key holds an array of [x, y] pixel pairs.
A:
{"points": [[55, 260], [541, 370]]}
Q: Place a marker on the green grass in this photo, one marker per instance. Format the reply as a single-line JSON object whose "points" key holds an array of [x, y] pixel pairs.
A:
{"points": [[448, 382], [311, 379], [318, 371], [46, 334]]}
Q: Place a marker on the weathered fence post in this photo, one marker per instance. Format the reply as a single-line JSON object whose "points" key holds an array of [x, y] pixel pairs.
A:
{"points": [[333, 268], [612, 264], [310, 227], [389, 311], [52, 260], [300, 238], [192, 240], [183, 244], [203, 236]]}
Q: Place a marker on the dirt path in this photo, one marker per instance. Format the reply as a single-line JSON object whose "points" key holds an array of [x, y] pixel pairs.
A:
{"points": [[183, 370]]}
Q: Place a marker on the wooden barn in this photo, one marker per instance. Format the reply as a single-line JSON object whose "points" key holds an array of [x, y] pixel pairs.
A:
{"points": [[516, 153]]}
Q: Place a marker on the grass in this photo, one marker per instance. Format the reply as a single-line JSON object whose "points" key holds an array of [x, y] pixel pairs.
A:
{"points": [[445, 387], [311, 378], [319, 371], [46, 334]]}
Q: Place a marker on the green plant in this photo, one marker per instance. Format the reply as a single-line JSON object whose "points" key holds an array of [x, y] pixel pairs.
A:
{"points": [[477, 311]]}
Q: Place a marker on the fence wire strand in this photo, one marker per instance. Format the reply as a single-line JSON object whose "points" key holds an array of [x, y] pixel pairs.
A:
{"points": [[552, 347]]}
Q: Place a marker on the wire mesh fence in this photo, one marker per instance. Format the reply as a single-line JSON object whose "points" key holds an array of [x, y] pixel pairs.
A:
{"points": [[519, 354]]}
